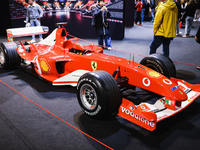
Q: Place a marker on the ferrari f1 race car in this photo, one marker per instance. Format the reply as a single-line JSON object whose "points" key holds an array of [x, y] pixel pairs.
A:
{"points": [[106, 85]]}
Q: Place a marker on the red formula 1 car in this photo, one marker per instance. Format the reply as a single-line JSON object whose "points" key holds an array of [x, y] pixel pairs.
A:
{"points": [[106, 85]]}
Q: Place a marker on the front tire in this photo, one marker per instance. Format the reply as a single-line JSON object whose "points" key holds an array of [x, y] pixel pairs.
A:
{"points": [[98, 94], [9, 57], [161, 64]]}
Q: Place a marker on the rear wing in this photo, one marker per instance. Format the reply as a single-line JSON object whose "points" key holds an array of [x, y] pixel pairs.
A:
{"points": [[25, 31]]}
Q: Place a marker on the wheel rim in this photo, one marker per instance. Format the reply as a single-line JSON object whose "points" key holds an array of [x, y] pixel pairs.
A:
{"points": [[2, 56], [88, 97]]}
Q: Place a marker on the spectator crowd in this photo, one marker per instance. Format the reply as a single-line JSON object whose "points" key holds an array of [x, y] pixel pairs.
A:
{"points": [[146, 9]]}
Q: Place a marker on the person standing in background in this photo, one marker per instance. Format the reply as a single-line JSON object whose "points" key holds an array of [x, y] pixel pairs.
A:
{"points": [[189, 17], [138, 7], [197, 14], [34, 14], [164, 28], [101, 24], [143, 10], [183, 6], [146, 13], [197, 37], [152, 5], [178, 4]]}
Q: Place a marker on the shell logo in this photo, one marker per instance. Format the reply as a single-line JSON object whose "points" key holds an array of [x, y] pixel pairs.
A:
{"points": [[154, 74], [44, 65]]}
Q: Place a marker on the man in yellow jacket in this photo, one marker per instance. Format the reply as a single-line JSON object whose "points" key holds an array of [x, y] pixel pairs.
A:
{"points": [[164, 28]]}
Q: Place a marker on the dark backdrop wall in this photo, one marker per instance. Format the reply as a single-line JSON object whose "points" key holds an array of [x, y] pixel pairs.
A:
{"points": [[129, 13], [5, 17], [79, 18]]}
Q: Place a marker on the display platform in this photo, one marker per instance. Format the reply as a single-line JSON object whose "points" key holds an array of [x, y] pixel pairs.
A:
{"points": [[36, 115]]}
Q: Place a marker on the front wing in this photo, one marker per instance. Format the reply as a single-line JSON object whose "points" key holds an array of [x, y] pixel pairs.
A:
{"points": [[148, 115]]}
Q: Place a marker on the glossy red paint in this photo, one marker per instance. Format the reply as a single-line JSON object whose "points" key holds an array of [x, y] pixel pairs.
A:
{"points": [[144, 118], [63, 61]]}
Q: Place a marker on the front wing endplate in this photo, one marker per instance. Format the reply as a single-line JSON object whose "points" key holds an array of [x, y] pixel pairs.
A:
{"points": [[148, 115]]}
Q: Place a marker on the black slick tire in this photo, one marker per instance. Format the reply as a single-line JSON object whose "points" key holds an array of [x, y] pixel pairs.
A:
{"points": [[98, 95], [161, 64], [9, 56]]}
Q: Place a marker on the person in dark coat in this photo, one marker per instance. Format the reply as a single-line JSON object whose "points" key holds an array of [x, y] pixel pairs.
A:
{"points": [[101, 24], [178, 4], [152, 5], [189, 15]]}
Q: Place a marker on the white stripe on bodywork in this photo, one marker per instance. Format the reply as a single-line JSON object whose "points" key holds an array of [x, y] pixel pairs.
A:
{"points": [[38, 65], [71, 77]]}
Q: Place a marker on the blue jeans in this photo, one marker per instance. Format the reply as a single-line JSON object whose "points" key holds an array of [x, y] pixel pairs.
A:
{"points": [[107, 40], [157, 41], [138, 17], [35, 23], [177, 27], [142, 14], [152, 14], [188, 24]]}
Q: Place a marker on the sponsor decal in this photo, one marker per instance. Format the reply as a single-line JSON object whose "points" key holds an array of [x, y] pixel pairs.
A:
{"points": [[167, 81], [86, 80], [174, 88], [93, 113], [181, 92], [132, 108], [156, 64], [10, 38], [154, 74], [146, 81], [141, 67], [143, 107], [168, 102], [44, 65], [195, 96], [162, 117], [184, 87], [136, 116], [94, 65]]}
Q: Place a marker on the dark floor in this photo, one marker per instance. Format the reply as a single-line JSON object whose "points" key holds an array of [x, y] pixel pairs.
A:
{"points": [[36, 115]]}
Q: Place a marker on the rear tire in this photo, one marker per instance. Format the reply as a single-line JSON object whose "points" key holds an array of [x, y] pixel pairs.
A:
{"points": [[98, 94], [9, 58], [161, 64]]}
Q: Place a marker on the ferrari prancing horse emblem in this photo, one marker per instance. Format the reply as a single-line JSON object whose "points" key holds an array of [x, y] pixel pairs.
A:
{"points": [[94, 65]]}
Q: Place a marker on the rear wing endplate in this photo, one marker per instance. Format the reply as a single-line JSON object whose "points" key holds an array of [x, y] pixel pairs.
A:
{"points": [[25, 31]]}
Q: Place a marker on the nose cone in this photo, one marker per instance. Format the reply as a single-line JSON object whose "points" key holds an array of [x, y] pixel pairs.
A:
{"points": [[179, 95]]}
